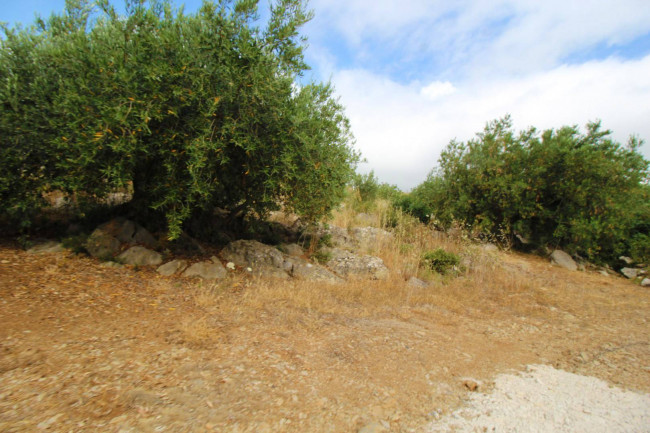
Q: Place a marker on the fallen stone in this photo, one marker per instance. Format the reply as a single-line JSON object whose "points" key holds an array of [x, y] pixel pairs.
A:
{"points": [[564, 260], [46, 247], [292, 249], [252, 254], [630, 273], [417, 283], [170, 268], [208, 270], [304, 270], [645, 282], [350, 265], [370, 237], [120, 228], [129, 232], [626, 260], [101, 244], [140, 256], [471, 384]]}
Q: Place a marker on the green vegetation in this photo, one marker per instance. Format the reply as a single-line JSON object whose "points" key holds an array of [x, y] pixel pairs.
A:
{"points": [[583, 192], [190, 112], [368, 189], [440, 261]]}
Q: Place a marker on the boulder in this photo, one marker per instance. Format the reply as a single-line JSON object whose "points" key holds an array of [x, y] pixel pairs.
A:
{"points": [[645, 282], [46, 247], [370, 237], [417, 283], [129, 232], [208, 270], [292, 249], [252, 254], [120, 228], [561, 258], [350, 265], [140, 256], [626, 260], [335, 236], [630, 273], [101, 244], [170, 268], [302, 269]]}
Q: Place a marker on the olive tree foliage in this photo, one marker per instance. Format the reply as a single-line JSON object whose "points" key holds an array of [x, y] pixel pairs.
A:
{"points": [[562, 188], [193, 111]]}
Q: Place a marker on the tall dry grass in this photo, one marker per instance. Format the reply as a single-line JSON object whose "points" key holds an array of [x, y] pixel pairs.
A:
{"points": [[309, 305]]}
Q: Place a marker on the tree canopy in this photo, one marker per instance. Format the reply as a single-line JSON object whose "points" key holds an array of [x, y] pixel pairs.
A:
{"points": [[562, 188], [192, 111]]}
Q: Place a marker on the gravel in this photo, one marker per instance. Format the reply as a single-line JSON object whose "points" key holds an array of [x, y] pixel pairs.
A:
{"points": [[544, 399]]}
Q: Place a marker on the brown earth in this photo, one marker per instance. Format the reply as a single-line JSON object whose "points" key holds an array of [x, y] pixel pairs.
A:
{"points": [[86, 348]]}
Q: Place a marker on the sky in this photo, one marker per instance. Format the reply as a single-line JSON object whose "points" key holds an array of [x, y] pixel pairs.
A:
{"points": [[415, 74]]}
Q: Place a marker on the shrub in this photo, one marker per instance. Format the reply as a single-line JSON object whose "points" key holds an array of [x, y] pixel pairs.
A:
{"points": [[440, 261], [583, 192]]}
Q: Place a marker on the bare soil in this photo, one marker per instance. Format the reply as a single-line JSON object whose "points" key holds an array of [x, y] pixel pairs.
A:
{"points": [[85, 347]]}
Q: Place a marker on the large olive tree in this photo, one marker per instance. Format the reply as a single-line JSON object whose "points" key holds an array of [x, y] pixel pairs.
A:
{"points": [[191, 111]]}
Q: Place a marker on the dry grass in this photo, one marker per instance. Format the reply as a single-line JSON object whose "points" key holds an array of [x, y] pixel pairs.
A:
{"points": [[305, 304]]}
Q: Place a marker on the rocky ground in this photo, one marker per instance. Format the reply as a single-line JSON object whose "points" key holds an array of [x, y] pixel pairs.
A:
{"points": [[89, 348]]}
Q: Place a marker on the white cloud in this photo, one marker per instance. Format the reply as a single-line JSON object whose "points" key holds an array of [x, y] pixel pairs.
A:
{"points": [[401, 130], [478, 37], [438, 89]]}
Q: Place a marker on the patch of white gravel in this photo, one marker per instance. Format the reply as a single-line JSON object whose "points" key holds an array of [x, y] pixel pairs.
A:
{"points": [[546, 400]]}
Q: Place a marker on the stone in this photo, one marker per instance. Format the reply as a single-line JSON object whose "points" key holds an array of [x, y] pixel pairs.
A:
{"points": [[120, 228], [564, 260], [101, 244], [142, 236], [129, 232], [302, 269], [170, 268], [208, 270], [333, 236], [626, 260], [630, 273], [645, 282], [471, 384], [252, 254], [417, 283], [350, 265], [370, 237], [140, 256], [292, 249], [46, 247]]}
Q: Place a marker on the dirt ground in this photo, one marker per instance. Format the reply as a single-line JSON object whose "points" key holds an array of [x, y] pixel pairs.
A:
{"points": [[84, 347]]}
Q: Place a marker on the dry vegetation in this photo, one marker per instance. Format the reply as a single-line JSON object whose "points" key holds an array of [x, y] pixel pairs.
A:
{"points": [[87, 348]]}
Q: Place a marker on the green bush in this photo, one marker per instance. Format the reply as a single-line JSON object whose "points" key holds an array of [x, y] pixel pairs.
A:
{"points": [[582, 192], [193, 112], [440, 261]]}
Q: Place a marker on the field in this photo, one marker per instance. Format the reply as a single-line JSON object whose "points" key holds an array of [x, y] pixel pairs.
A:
{"points": [[85, 347]]}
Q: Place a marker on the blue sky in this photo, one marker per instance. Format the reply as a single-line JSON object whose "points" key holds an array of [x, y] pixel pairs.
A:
{"points": [[414, 74]]}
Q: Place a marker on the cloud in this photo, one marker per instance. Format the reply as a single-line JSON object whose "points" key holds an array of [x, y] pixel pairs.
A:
{"points": [[438, 89], [401, 130], [467, 38]]}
